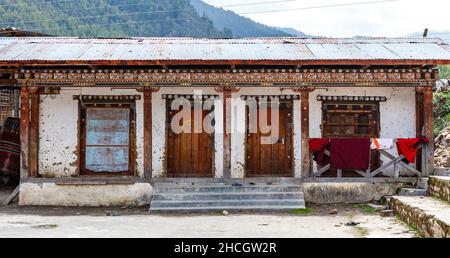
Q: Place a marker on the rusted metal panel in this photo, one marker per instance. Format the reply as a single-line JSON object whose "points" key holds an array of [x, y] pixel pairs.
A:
{"points": [[107, 139], [247, 49]]}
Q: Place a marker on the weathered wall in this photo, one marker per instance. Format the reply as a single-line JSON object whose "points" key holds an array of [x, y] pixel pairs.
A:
{"points": [[59, 130], [397, 114], [51, 194], [59, 125], [351, 192]]}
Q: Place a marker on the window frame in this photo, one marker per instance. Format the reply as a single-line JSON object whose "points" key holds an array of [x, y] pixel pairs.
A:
{"points": [[376, 126], [128, 104]]}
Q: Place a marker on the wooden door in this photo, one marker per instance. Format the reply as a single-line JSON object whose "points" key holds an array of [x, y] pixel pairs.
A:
{"points": [[189, 154], [270, 160]]}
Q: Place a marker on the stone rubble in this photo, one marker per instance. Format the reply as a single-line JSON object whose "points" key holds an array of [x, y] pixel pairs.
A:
{"points": [[442, 149]]}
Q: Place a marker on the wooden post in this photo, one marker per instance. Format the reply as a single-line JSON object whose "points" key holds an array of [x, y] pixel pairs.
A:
{"points": [[34, 134], [227, 133], [420, 161], [306, 155], [24, 132], [424, 127], [428, 130], [148, 117]]}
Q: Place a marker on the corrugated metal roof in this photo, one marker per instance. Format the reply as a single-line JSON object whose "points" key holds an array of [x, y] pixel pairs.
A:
{"points": [[154, 49]]}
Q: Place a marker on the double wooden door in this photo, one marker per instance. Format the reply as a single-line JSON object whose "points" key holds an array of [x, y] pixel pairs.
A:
{"points": [[267, 154], [189, 153]]}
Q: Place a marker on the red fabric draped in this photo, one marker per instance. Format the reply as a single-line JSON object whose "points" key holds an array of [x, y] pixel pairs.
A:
{"points": [[408, 147], [318, 147], [350, 153]]}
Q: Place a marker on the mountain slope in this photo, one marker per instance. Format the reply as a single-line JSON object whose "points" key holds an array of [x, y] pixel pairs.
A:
{"points": [[108, 18], [240, 26]]}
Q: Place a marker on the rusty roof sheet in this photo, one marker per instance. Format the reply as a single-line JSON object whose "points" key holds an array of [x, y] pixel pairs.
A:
{"points": [[276, 49]]}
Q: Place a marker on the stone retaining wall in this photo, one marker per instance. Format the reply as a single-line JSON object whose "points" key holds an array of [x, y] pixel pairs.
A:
{"points": [[427, 225], [439, 187]]}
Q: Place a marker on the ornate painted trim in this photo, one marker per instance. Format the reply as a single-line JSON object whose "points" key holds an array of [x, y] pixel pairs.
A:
{"points": [[352, 98], [225, 78]]}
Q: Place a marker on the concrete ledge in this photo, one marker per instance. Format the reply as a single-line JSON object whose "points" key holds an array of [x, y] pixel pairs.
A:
{"points": [[439, 187], [53, 194], [349, 192], [431, 217]]}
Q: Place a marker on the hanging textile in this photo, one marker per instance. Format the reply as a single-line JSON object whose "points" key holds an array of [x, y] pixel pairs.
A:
{"points": [[350, 153], [317, 146], [382, 144], [408, 147]]}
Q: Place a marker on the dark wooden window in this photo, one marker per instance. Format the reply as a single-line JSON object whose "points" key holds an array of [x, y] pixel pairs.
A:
{"points": [[107, 137], [350, 120]]}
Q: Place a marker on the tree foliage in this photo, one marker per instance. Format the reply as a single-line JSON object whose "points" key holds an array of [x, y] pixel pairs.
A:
{"points": [[108, 18]]}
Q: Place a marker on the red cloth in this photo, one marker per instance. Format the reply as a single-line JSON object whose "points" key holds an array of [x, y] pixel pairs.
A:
{"points": [[318, 147], [350, 153], [408, 147]]}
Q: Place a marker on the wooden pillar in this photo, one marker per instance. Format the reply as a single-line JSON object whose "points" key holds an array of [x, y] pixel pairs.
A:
{"points": [[424, 127], [428, 130], [305, 156], [24, 132], [34, 134], [227, 133]]}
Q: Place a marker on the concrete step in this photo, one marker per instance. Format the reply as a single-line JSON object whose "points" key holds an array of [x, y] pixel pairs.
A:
{"points": [[228, 196], [422, 183], [439, 187], [215, 205], [412, 192], [431, 217], [226, 208], [226, 188], [192, 195]]}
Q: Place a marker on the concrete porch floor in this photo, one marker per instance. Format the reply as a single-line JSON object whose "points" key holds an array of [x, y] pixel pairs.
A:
{"points": [[125, 222]]}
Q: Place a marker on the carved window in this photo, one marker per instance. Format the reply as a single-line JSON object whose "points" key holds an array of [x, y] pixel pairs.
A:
{"points": [[350, 119]]}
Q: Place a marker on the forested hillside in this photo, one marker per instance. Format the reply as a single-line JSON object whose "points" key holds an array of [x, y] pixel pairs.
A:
{"points": [[108, 18], [240, 26]]}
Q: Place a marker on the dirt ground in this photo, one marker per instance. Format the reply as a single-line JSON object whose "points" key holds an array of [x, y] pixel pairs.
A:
{"points": [[316, 222]]}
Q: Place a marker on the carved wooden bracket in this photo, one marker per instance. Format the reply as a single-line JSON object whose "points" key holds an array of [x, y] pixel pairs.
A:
{"points": [[148, 89], [422, 90], [302, 89], [227, 89]]}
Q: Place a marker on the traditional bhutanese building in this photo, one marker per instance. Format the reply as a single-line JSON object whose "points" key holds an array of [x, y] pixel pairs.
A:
{"points": [[96, 117]]}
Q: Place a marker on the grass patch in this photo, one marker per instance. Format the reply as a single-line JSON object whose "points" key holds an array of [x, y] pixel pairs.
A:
{"points": [[365, 208], [45, 226], [302, 211], [363, 232], [411, 227]]}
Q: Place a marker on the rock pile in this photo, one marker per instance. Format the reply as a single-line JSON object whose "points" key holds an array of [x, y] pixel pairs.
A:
{"points": [[442, 149]]}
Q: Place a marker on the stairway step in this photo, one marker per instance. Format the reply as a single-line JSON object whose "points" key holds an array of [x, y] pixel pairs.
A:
{"points": [[227, 208], [228, 196], [227, 203], [228, 188], [412, 192]]}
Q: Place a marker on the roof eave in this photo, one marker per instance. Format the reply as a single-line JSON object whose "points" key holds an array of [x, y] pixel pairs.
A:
{"points": [[378, 62]]}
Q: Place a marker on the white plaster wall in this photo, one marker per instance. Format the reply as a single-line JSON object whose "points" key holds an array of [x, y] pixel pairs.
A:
{"points": [[58, 132], [159, 129], [238, 124], [397, 114], [51, 194]]}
